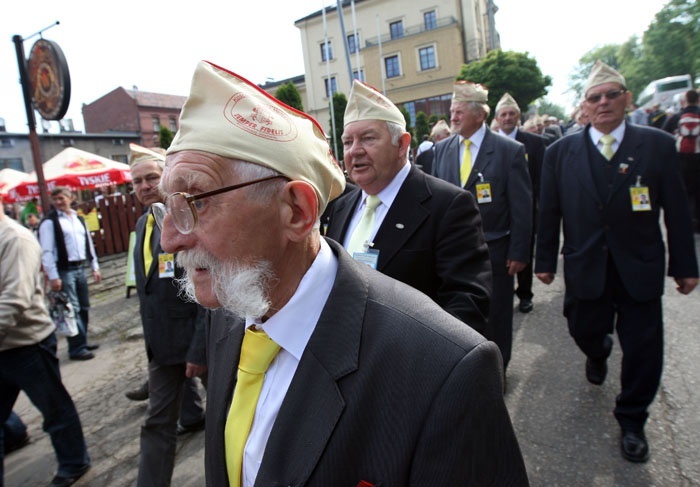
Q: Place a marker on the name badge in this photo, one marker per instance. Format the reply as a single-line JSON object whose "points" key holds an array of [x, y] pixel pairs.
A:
{"points": [[483, 192], [166, 265], [369, 257], [640, 198]]}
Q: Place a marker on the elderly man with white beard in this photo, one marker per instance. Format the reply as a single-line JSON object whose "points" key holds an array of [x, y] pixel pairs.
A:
{"points": [[321, 371]]}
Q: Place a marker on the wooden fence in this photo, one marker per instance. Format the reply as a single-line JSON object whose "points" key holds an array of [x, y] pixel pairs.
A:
{"points": [[117, 215]]}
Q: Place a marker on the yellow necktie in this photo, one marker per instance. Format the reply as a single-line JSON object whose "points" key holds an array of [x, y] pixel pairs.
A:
{"points": [[466, 168], [363, 231], [147, 252], [607, 140], [257, 352]]}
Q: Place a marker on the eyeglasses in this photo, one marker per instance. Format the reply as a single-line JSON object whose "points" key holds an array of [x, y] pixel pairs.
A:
{"points": [[183, 207], [610, 95]]}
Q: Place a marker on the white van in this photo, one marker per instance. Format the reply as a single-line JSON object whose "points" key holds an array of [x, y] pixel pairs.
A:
{"points": [[662, 91]]}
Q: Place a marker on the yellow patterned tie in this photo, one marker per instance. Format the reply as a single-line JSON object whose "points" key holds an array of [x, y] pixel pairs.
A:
{"points": [[257, 352], [607, 140], [466, 168], [147, 252], [363, 231]]}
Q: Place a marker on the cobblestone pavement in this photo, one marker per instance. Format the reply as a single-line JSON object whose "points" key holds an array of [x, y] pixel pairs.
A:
{"points": [[564, 424]]}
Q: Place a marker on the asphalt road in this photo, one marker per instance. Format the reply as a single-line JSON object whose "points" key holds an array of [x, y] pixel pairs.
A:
{"points": [[565, 425]]}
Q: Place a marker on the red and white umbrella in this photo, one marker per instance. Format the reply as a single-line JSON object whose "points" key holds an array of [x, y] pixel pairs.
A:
{"points": [[9, 180], [76, 169]]}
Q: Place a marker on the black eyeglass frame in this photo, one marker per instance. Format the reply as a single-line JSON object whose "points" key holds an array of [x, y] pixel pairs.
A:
{"points": [[610, 95], [159, 210]]}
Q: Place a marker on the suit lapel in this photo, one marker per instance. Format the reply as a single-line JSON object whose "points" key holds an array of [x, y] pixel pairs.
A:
{"points": [[482, 160], [314, 403], [403, 218], [630, 154], [138, 251]]}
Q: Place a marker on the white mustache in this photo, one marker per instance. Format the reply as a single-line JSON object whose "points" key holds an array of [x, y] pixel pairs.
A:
{"points": [[195, 259]]}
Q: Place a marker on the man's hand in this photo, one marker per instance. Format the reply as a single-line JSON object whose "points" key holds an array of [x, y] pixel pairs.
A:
{"points": [[685, 285], [97, 276], [545, 277], [515, 266], [56, 284], [194, 370]]}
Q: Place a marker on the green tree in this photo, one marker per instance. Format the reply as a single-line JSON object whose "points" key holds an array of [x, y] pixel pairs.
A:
{"points": [[288, 93], [508, 71], [165, 137], [340, 101], [422, 126], [409, 128], [546, 106]]}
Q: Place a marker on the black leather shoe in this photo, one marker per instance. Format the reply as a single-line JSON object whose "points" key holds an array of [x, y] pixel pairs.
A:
{"points": [[525, 305], [139, 394], [60, 481], [92, 346], [83, 356], [634, 446], [190, 428], [596, 370]]}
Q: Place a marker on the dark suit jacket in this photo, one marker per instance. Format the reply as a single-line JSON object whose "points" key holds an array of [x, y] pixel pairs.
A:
{"points": [[431, 239], [596, 229], [390, 389], [502, 163], [173, 329], [534, 148]]}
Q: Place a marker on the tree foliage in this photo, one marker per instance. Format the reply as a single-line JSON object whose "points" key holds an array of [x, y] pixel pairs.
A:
{"points": [[670, 46], [340, 101], [508, 71], [288, 93], [165, 137], [422, 126]]}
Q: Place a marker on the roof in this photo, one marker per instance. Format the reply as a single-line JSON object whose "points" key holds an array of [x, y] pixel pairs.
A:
{"points": [[157, 100], [329, 9]]}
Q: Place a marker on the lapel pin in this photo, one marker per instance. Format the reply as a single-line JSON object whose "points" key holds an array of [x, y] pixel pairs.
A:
{"points": [[623, 168]]}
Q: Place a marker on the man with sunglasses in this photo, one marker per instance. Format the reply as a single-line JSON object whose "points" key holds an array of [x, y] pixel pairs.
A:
{"points": [[173, 331], [607, 185], [366, 381]]}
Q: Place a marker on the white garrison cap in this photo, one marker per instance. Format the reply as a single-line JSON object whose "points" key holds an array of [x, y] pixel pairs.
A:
{"points": [[467, 91], [140, 154], [507, 101], [440, 126], [366, 103], [227, 115], [601, 74]]}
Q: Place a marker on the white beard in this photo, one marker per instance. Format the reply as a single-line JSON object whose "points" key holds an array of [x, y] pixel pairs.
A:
{"points": [[240, 290]]}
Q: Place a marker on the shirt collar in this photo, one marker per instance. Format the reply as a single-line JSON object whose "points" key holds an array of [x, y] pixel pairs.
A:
{"points": [[477, 137], [388, 194], [292, 326], [618, 133]]}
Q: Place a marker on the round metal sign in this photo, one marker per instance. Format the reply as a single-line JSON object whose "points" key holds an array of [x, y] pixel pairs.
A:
{"points": [[49, 79]]}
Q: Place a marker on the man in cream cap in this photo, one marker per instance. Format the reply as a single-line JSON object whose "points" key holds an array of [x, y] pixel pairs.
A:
{"points": [[355, 365], [508, 116], [494, 170], [426, 233], [440, 131], [173, 331], [607, 184]]}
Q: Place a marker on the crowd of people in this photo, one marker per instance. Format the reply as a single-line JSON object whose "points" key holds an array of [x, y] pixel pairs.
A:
{"points": [[326, 307]]}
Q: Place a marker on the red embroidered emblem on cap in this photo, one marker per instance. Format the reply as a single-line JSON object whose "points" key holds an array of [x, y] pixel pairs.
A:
{"points": [[262, 120]]}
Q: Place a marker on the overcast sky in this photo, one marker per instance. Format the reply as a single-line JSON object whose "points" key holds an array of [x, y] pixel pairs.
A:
{"points": [[140, 43]]}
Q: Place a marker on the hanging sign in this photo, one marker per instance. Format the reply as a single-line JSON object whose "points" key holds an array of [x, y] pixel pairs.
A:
{"points": [[49, 79]]}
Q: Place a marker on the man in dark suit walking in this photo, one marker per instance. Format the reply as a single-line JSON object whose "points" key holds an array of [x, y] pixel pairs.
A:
{"points": [[173, 330], [499, 180], [345, 376], [607, 184], [426, 233], [508, 116]]}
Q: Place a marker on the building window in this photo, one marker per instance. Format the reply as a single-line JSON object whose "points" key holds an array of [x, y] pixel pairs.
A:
{"points": [[173, 124], [392, 67], [156, 123], [326, 51], [353, 44], [331, 88], [120, 158], [396, 29], [12, 163], [359, 76], [430, 20], [427, 58]]}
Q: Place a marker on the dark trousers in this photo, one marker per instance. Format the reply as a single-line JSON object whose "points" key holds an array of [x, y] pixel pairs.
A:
{"points": [[499, 328], [167, 385], [639, 327], [34, 370]]}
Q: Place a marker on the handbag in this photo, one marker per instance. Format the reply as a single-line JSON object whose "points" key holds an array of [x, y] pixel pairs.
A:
{"points": [[62, 314]]}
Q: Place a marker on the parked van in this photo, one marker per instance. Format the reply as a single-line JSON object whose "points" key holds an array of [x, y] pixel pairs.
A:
{"points": [[661, 91]]}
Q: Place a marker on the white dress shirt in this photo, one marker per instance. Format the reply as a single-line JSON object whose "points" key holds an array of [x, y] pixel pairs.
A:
{"points": [[74, 235]]}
